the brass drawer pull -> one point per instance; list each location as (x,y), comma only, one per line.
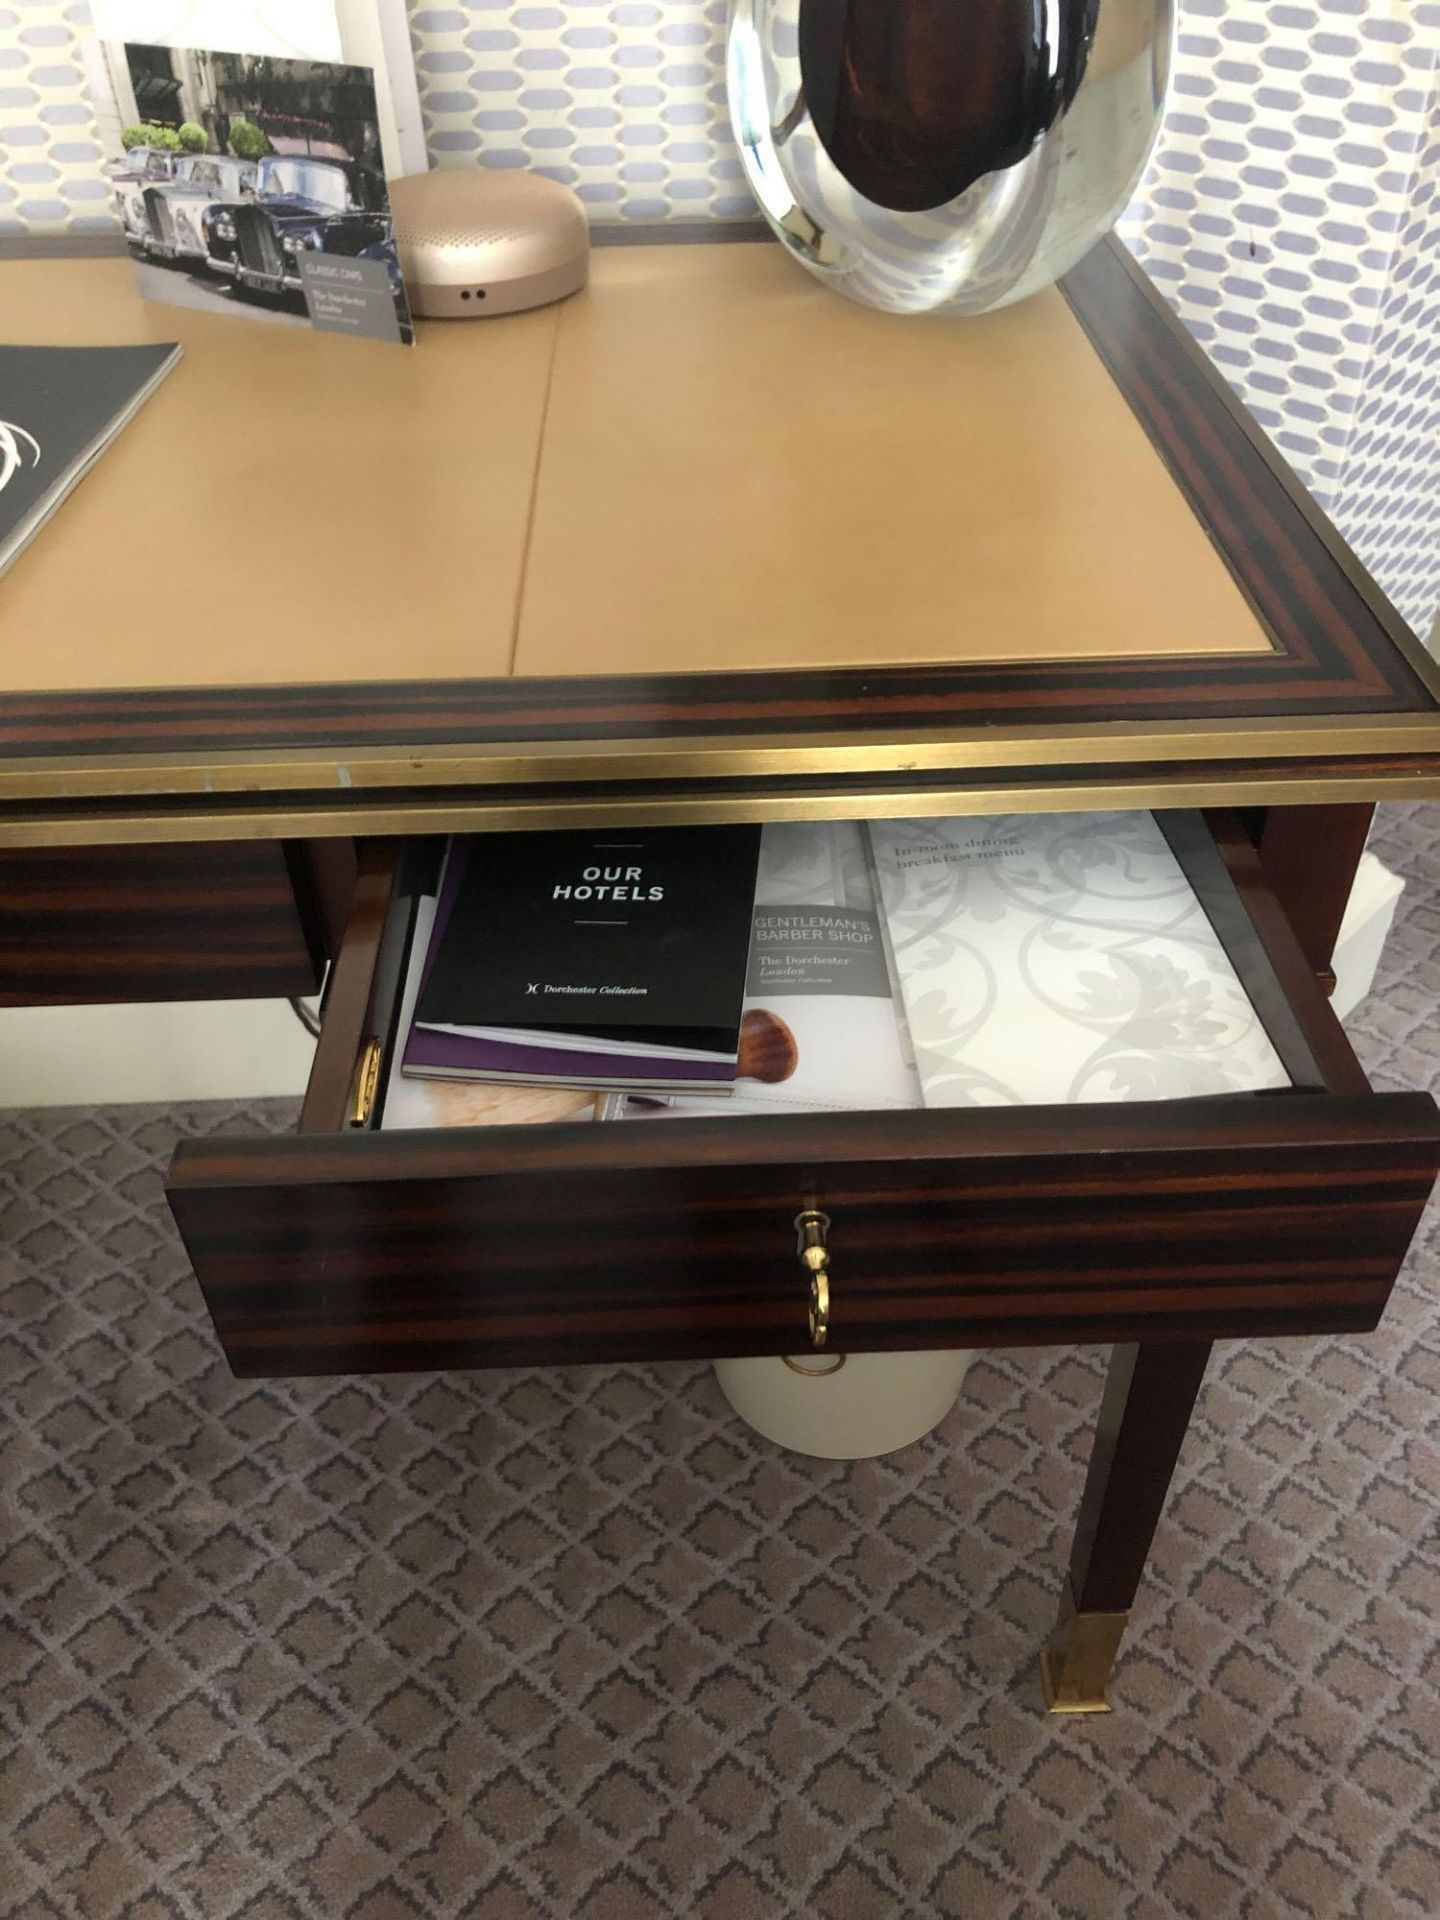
(365,1085)
(815,1369)
(811,1228)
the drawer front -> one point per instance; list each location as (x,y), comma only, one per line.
(670,1239)
(161,923)
(346,1250)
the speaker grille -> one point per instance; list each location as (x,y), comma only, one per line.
(461,211)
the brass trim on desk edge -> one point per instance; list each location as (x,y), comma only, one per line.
(716,756)
(675,808)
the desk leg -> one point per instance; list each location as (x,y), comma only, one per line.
(1149,1394)
(1310,856)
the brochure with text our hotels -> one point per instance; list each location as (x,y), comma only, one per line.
(413,1101)
(1047,959)
(605,959)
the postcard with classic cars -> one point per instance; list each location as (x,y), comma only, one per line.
(254,185)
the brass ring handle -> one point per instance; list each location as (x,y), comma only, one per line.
(819,1309)
(819,1369)
(811,1228)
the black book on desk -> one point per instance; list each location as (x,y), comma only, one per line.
(612,958)
(60,407)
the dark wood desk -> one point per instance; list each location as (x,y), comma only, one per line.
(702,545)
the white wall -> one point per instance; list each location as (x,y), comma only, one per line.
(96,1056)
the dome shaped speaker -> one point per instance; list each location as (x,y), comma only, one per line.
(479,241)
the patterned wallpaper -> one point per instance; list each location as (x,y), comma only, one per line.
(1387,497)
(1292,213)
(50,152)
(624,102)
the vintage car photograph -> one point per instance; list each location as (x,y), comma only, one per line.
(143,168)
(175,210)
(230,168)
(142,163)
(297,204)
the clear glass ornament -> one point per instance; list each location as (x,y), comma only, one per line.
(945,155)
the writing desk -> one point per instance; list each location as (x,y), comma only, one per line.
(707,544)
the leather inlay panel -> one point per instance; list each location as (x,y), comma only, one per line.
(742,470)
(288,507)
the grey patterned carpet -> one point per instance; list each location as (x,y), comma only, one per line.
(524,1645)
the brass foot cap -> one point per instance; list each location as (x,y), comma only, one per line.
(1070,1701)
(1076,1661)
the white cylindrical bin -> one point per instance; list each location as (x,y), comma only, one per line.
(866,1405)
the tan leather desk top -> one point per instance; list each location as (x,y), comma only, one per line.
(704,462)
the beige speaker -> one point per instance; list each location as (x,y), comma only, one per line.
(475,241)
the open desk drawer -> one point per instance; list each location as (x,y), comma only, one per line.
(346,1250)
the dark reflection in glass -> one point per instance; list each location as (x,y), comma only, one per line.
(916,100)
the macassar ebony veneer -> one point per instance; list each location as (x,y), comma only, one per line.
(344,1248)
(243,920)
